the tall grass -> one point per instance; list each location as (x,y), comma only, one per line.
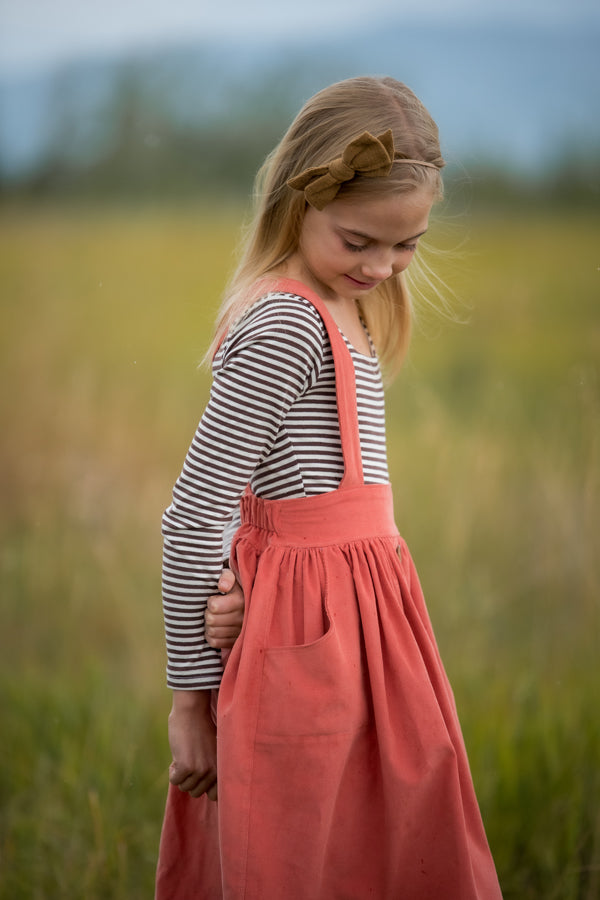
(493,442)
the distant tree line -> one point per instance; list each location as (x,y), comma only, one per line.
(139,138)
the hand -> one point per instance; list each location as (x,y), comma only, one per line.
(224,614)
(193,742)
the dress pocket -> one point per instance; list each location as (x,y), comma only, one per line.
(317,688)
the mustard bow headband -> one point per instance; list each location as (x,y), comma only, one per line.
(366,155)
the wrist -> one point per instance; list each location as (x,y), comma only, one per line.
(193,701)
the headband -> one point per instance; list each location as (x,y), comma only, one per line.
(366,155)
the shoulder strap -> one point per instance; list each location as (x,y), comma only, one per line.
(345,381)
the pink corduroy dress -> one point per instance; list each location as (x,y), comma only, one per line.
(342,769)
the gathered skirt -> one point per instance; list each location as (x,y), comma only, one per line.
(342,772)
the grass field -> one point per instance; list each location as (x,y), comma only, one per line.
(494,431)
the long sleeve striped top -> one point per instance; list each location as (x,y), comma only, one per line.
(271,422)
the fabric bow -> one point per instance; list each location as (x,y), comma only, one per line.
(366,155)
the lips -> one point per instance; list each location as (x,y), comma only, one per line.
(362,285)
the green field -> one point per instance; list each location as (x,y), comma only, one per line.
(494,430)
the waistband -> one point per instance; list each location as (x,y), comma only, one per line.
(335,517)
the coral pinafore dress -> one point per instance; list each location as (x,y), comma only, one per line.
(342,770)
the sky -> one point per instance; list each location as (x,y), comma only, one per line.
(37,33)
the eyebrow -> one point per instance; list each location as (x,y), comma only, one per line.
(368,237)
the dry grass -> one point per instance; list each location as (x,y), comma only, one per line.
(493,437)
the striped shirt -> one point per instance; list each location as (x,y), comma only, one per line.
(271,422)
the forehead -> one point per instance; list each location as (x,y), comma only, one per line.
(392,217)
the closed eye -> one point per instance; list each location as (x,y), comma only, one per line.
(354,248)
(357,248)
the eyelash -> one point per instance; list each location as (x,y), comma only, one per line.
(356,248)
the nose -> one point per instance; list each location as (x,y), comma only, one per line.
(380,265)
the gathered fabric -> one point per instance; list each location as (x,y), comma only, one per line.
(342,772)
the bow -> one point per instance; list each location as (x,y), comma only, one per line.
(366,155)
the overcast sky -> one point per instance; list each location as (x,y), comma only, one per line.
(34,33)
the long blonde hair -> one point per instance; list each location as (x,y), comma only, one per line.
(319,134)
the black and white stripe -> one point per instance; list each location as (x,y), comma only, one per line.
(271,421)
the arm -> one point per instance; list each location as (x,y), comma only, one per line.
(192,732)
(268,363)
(252,392)
(193,742)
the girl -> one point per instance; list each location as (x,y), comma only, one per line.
(333,744)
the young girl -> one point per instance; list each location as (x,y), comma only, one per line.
(333,743)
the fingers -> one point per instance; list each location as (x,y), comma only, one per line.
(222,621)
(226,609)
(194,783)
(193,743)
(224,614)
(226,581)
(221,637)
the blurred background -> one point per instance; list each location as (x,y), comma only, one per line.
(130,133)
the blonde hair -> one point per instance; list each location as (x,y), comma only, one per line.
(319,134)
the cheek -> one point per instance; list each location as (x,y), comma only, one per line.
(329,252)
(403,262)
